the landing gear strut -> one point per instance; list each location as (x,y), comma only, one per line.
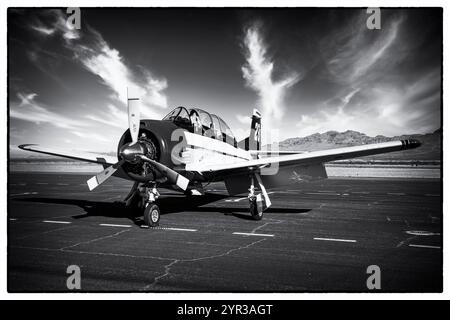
(151,211)
(258,202)
(142,197)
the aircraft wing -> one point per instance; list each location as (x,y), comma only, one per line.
(75,155)
(271,153)
(305,158)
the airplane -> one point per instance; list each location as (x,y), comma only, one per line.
(189,148)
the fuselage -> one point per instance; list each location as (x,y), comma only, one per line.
(167,141)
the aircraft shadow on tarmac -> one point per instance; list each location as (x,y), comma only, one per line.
(168,205)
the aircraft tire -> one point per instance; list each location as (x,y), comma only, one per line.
(152,215)
(254,211)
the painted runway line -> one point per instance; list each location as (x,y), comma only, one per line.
(115,225)
(254,234)
(424,246)
(235,200)
(22,194)
(55,221)
(334,239)
(181,229)
(323,193)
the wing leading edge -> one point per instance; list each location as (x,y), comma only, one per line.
(69,154)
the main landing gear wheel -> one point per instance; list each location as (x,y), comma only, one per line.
(152,215)
(257,213)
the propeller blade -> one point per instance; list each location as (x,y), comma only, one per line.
(133,114)
(172,176)
(101,177)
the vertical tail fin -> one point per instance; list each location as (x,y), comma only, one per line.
(253,142)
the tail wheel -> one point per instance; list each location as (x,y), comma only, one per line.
(256,214)
(152,215)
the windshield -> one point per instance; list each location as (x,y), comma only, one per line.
(205,119)
(225,128)
(172,114)
(216,127)
(179,114)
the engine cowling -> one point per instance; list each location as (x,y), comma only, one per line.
(134,166)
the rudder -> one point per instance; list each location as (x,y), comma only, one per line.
(253,141)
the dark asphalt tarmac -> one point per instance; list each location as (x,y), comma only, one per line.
(320,236)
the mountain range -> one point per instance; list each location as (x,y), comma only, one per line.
(430,149)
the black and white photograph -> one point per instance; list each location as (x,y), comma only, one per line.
(224,150)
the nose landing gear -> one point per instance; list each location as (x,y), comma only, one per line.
(142,198)
(151,211)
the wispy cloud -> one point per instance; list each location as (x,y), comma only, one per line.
(52,22)
(94,54)
(111,117)
(98,127)
(90,135)
(352,51)
(393,110)
(26,99)
(28,109)
(374,97)
(43,30)
(243,119)
(258,74)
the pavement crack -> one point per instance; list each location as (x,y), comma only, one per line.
(93,240)
(226,253)
(168,267)
(45,232)
(122,255)
(273,221)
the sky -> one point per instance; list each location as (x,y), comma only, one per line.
(306,70)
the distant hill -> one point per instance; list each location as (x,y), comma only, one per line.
(430,149)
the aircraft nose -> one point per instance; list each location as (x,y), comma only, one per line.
(130,152)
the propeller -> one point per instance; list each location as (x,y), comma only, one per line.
(101,177)
(133,115)
(133,152)
(172,176)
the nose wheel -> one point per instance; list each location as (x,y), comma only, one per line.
(142,199)
(151,215)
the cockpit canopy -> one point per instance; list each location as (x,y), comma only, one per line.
(201,122)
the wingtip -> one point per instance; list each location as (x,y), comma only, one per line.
(24,146)
(411,143)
